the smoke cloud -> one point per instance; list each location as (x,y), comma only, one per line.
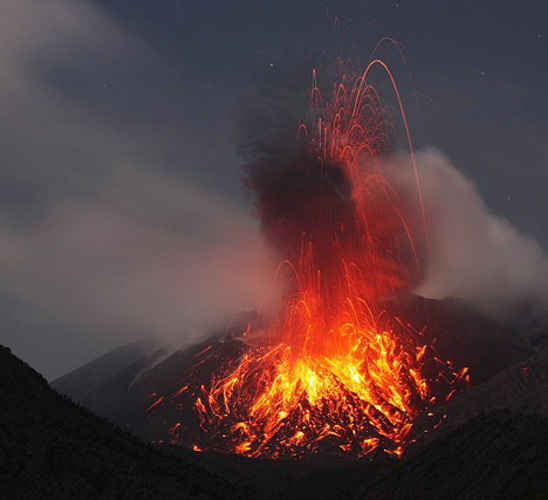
(106,234)
(474,254)
(106,271)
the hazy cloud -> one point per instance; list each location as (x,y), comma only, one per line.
(97,233)
(474,254)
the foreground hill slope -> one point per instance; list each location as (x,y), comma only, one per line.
(50,448)
(499,455)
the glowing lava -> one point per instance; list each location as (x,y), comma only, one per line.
(335,372)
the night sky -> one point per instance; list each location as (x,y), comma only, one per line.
(119,141)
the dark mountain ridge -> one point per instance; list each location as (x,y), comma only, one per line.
(52,448)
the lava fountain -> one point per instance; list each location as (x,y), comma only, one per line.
(335,371)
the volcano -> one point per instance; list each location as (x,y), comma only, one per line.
(142,389)
(64,451)
(340,368)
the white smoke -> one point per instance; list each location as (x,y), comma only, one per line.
(474,254)
(108,270)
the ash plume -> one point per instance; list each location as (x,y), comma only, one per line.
(474,254)
(298,194)
(305,197)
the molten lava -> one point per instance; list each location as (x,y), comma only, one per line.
(335,371)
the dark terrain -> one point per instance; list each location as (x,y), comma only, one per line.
(498,455)
(493,444)
(51,448)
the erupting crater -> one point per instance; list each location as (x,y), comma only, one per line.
(334,371)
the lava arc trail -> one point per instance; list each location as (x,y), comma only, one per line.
(335,371)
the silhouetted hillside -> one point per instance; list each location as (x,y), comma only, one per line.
(50,448)
(500,455)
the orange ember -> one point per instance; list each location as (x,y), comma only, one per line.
(335,372)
